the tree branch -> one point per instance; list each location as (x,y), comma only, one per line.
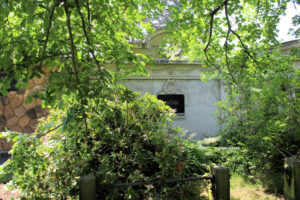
(45,133)
(87,36)
(212,15)
(74,64)
(58,2)
(226,57)
(233,32)
(89,14)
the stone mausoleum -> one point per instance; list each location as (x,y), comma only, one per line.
(179,84)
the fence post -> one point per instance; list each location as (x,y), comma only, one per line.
(87,187)
(292,179)
(220,182)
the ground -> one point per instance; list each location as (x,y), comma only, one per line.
(5,195)
(240,190)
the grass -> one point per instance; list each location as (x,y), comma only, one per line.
(244,190)
(240,189)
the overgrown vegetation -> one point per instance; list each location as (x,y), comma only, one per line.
(96,126)
(129,140)
(260,115)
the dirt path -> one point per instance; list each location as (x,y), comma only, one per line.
(7,195)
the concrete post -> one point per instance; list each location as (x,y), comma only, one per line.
(87,187)
(292,179)
(220,182)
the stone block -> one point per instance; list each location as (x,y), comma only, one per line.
(8,112)
(4,100)
(12,122)
(11,94)
(24,121)
(17,101)
(20,111)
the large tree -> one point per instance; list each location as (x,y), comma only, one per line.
(78,39)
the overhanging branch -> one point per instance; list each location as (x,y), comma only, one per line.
(58,2)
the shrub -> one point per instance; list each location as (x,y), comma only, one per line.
(125,139)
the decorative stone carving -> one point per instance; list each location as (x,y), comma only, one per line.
(170,87)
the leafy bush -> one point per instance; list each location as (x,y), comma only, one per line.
(262,120)
(125,139)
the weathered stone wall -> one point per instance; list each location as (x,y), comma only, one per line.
(16,115)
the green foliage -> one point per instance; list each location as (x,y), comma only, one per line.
(95,126)
(73,40)
(263,121)
(237,41)
(129,140)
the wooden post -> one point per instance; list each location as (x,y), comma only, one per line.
(292,179)
(87,187)
(220,182)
